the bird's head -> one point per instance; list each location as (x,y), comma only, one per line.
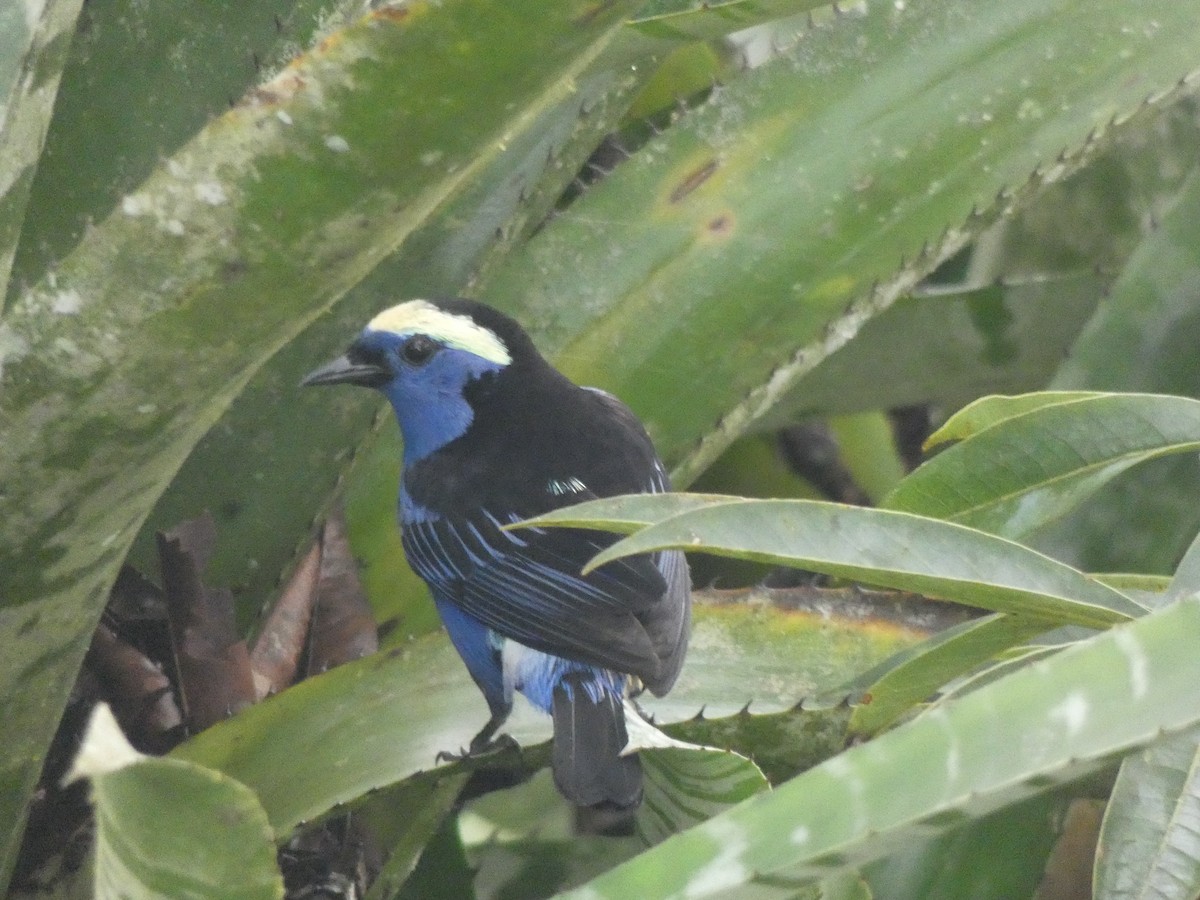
(423,355)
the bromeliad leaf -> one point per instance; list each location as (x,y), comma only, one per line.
(222,847)
(1067,717)
(913,674)
(1146,851)
(879,547)
(988,411)
(626,514)
(1034,466)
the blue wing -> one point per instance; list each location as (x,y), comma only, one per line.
(629,615)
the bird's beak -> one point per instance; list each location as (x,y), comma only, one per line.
(344,370)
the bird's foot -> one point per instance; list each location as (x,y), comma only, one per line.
(485,747)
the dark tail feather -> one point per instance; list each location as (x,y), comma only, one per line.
(588,767)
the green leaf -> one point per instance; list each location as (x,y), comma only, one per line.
(881,547)
(140,80)
(625,515)
(293,751)
(685,787)
(986,412)
(404,820)
(218,846)
(1149,842)
(33,50)
(999,856)
(1032,467)
(914,674)
(823,185)
(1069,716)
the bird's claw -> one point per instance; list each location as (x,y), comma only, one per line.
(478,748)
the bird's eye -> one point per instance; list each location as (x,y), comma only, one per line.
(418,349)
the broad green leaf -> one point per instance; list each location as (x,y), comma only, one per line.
(118,362)
(218,845)
(880,547)
(1065,718)
(1033,467)
(1150,842)
(783,743)
(34,38)
(986,412)
(1138,338)
(140,80)
(293,749)
(914,674)
(823,185)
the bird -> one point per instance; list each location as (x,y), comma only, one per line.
(493,434)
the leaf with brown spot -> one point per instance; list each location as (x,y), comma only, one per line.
(694,180)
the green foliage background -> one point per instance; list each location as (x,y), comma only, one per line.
(849,210)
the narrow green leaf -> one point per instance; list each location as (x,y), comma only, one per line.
(219,845)
(1032,467)
(1150,839)
(898,684)
(985,412)
(627,514)
(886,548)
(1065,718)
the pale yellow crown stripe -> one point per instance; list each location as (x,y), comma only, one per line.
(460,332)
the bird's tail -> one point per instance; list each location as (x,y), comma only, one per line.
(589,734)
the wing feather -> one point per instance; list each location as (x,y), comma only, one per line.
(527,587)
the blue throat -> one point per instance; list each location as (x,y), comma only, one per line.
(429,402)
